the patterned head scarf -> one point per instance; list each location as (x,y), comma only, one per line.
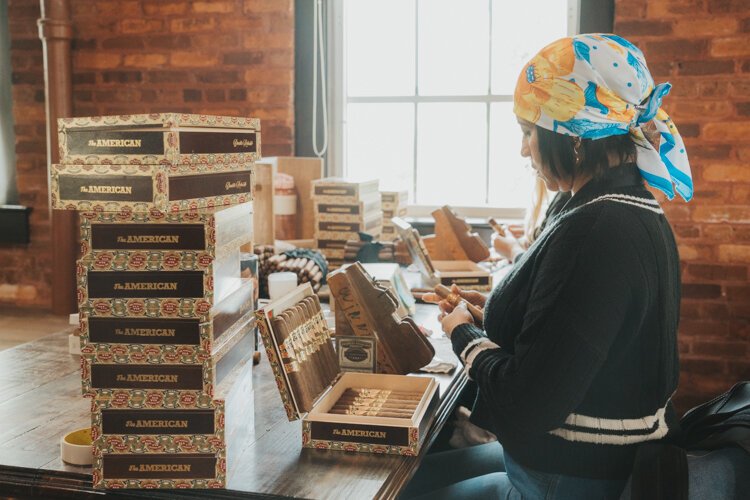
(597,85)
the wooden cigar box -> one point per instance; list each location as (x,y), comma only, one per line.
(192,232)
(203,435)
(141,188)
(347,235)
(120,373)
(173,138)
(336,190)
(172,338)
(464,273)
(311,392)
(391,213)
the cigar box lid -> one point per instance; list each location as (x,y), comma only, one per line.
(415,246)
(158,120)
(294,408)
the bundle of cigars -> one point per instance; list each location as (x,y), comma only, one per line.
(166,319)
(309,266)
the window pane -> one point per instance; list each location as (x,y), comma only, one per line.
(453,47)
(520,30)
(510,183)
(451,154)
(380,144)
(380,47)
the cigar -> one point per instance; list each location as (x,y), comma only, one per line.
(454,299)
(496,226)
(294,369)
(369,413)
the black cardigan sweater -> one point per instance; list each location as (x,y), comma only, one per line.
(579,359)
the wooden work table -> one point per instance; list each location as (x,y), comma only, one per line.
(40,400)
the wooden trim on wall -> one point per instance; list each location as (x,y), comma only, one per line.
(56,32)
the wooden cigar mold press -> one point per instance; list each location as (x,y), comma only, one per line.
(453,239)
(366,309)
(464,273)
(166,440)
(340,411)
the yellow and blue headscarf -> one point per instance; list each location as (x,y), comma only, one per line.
(598,85)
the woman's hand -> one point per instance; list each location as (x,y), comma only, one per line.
(471,297)
(458,316)
(506,244)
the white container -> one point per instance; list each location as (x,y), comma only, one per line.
(279,284)
(76,447)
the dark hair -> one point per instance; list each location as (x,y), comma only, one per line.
(557,152)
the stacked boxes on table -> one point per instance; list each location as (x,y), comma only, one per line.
(166,319)
(393,205)
(343,209)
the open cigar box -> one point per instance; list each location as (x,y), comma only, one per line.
(464,273)
(162,138)
(174,442)
(364,412)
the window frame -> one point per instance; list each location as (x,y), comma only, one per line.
(338,100)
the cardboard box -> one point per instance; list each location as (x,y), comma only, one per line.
(336,190)
(464,273)
(141,188)
(324,430)
(371,224)
(172,138)
(394,198)
(185,233)
(202,437)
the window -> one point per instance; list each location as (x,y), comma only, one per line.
(8,192)
(423,93)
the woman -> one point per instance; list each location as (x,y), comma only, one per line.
(578,359)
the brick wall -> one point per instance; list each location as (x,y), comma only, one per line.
(703,48)
(225,57)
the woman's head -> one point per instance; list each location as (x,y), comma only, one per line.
(586,103)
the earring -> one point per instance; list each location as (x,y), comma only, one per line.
(577,151)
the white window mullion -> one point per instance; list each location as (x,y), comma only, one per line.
(416,96)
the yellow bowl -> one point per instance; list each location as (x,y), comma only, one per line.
(76,447)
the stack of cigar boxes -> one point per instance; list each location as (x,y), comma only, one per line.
(167,320)
(393,204)
(343,209)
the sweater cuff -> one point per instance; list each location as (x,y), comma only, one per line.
(463,334)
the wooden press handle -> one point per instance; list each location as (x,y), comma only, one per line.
(454,299)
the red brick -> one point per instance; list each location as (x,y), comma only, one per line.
(689,130)
(702,366)
(123,42)
(712,67)
(720,348)
(244,58)
(739,370)
(713,25)
(746,67)
(214,6)
(645,28)
(119,8)
(145,60)
(724,6)
(726,171)
(256,6)
(731,46)
(726,131)
(717,152)
(695,252)
(686,230)
(192,24)
(727,213)
(698,109)
(740,88)
(715,272)
(734,253)
(626,9)
(699,291)
(666,8)
(671,49)
(168,77)
(217,76)
(169,41)
(163,8)
(141,25)
(193,59)
(743,108)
